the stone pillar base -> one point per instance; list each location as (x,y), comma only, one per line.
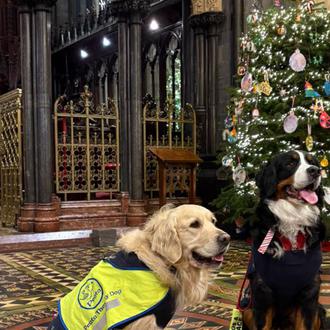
(47,217)
(136,215)
(25,221)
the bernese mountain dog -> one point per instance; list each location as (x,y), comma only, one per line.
(284,272)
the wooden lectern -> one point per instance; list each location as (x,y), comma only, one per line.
(178,157)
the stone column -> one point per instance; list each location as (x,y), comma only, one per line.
(205,20)
(46,219)
(206,33)
(123,75)
(212,22)
(200,79)
(39,212)
(130,100)
(136,106)
(29,197)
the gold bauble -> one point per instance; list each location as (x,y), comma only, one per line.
(324,162)
(281,30)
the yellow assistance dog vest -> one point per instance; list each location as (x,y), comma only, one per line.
(112,295)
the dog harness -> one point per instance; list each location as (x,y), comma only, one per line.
(116,292)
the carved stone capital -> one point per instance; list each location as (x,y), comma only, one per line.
(206,6)
(120,7)
(207,19)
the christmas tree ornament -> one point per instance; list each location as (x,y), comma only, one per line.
(265,87)
(324,120)
(227,161)
(225,133)
(252,18)
(250,47)
(232,136)
(243,44)
(281,29)
(324,162)
(298,18)
(241,70)
(326,85)
(277,3)
(309,91)
(255,113)
(290,123)
(230,133)
(246,82)
(317,60)
(256,89)
(239,175)
(324,174)
(308,5)
(309,140)
(317,106)
(239,107)
(283,92)
(297,61)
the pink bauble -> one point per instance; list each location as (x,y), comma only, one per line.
(297,61)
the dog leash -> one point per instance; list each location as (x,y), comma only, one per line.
(236,322)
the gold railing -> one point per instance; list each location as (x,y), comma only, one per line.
(167,128)
(11,156)
(87,148)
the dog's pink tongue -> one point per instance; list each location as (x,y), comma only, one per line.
(218,258)
(309,196)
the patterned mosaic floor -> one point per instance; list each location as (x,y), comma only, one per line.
(32,282)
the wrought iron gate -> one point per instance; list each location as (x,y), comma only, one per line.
(11,156)
(87,147)
(167,128)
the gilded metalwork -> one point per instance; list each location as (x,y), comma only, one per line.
(167,128)
(206,6)
(87,147)
(11,156)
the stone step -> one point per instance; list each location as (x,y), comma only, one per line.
(62,239)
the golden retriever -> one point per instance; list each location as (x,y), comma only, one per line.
(180,245)
(185,238)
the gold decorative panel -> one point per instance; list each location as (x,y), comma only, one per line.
(167,128)
(87,147)
(205,6)
(11,156)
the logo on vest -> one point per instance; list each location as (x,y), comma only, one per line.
(90,294)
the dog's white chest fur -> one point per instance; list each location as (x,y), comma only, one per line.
(293,217)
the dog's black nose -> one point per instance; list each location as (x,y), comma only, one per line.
(223,238)
(314,172)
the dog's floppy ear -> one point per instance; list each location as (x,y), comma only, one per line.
(266,181)
(165,240)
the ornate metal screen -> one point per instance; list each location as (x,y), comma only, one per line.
(167,128)
(11,156)
(87,147)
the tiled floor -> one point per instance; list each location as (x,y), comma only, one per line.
(32,282)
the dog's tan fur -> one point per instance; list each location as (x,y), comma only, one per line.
(166,241)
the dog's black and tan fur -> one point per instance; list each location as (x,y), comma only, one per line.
(285,283)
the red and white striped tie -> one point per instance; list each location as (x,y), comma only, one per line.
(265,243)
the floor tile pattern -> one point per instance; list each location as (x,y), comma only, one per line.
(31,283)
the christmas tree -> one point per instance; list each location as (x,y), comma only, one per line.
(281,100)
